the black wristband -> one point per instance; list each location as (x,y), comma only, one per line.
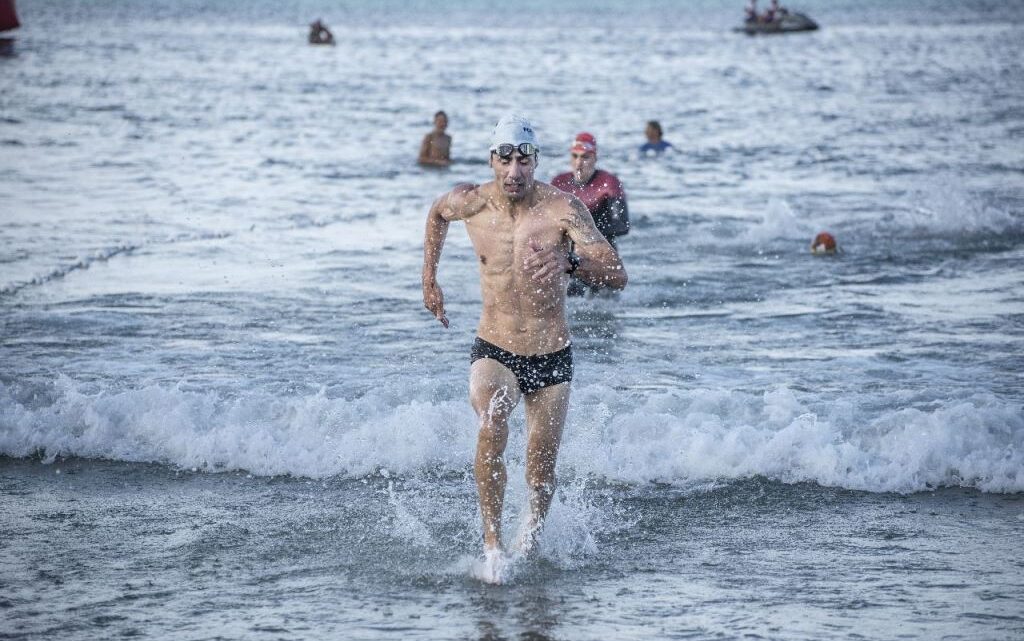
(574,263)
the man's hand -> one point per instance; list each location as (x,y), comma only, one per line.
(546,263)
(433,300)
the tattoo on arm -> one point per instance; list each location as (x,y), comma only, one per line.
(580,224)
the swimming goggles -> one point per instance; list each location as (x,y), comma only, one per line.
(505,150)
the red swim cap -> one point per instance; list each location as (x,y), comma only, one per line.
(584,143)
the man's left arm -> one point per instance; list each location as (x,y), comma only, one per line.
(598,264)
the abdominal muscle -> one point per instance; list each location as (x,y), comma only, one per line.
(519,314)
(522,316)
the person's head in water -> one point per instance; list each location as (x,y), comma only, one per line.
(514,156)
(583,157)
(440,121)
(653,132)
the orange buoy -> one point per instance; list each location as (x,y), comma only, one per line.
(824,243)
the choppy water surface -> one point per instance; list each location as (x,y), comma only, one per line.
(209,280)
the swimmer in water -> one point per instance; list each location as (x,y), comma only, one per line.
(436,148)
(600,191)
(521,230)
(319,34)
(655,144)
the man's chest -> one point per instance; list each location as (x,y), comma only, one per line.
(441,143)
(503,242)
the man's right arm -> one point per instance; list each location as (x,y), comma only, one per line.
(458,204)
(433,243)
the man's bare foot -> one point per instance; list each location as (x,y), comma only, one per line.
(493,567)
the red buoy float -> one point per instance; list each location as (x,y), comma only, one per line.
(824,243)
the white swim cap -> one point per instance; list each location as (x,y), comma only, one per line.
(515,130)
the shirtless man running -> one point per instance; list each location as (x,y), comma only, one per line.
(520,229)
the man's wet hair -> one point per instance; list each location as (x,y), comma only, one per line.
(441,113)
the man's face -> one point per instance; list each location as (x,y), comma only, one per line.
(440,122)
(651,133)
(514,174)
(583,165)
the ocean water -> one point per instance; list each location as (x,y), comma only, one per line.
(224,412)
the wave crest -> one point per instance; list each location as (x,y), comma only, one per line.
(673,436)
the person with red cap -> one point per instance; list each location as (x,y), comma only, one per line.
(599,190)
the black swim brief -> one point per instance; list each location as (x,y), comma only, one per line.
(531,372)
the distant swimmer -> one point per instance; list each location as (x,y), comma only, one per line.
(436,148)
(655,144)
(319,34)
(521,230)
(824,243)
(751,11)
(600,191)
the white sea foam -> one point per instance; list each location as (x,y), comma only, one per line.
(684,436)
(306,436)
(572,523)
(778,221)
(944,208)
(406,524)
(495,567)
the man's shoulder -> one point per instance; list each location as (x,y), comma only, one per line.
(465,200)
(485,190)
(553,197)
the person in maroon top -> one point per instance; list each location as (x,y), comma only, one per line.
(599,190)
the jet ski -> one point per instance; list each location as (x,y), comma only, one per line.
(788,22)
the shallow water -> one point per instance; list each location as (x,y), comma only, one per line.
(210,313)
(141,550)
